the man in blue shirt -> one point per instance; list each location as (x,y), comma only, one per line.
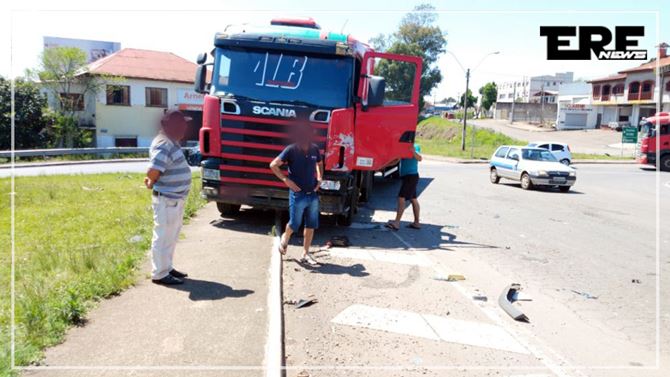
(305,170)
(409,174)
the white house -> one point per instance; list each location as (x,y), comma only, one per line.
(531,89)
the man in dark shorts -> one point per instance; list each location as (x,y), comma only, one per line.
(409,174)
(305,170)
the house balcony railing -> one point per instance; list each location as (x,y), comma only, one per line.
(646,95)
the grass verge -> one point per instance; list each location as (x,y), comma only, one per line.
(79,238)
(442,137)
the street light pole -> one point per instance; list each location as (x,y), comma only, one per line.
(465,108)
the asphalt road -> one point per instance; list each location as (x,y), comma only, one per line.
(579,256)
(73,168)
(598,141)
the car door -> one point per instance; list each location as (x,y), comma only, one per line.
(558,151)
(498,160)
(512,161)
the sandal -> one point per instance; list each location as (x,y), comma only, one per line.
(309,260)
(414,226)
(391,226)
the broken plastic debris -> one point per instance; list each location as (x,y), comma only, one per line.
(480,297)
(584,294)
(636,281)
(505,302)
(455,277)
(135,239)
(521,296)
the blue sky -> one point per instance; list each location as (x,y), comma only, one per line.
(473,29)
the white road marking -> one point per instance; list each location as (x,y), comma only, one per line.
(396,257)
(552,365)
(430,327)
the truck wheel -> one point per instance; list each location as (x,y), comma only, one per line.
(665,163)
(526,183)
(347,218)
(227,209)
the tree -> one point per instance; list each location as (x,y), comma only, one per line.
(417,35)
(472,100)
(489,94)
(30,121)
(63,72)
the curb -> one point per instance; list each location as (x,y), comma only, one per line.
(274,346)
(62,163)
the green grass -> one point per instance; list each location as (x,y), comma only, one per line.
(74,157)
(442,137)
(78,239)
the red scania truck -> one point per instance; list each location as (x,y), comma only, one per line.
(655,134)
(266,79)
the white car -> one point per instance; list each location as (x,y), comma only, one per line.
(532,167)
(560,150)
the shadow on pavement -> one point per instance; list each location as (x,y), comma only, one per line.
(247,220)
(327,268)
(385,192)
(552,190)
(201,290)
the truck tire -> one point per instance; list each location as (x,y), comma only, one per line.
(366,186)
(665,162)
(227,209)
(347,218)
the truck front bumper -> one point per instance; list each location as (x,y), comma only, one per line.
(268,198)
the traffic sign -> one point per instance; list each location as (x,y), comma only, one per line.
(629,135)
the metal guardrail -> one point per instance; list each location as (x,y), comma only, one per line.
(71,151)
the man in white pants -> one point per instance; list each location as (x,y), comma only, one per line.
(169,178)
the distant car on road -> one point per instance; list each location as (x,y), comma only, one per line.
(560,150)
(532,167)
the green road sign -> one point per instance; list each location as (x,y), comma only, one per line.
(629,135)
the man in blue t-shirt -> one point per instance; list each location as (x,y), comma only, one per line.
(409,174)
(305,170)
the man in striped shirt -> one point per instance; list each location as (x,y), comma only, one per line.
(169,178)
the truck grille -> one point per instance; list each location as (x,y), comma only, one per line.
(249,144)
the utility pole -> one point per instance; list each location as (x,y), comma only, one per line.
(511,119)
(542,104)
(465,108)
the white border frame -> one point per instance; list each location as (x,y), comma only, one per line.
(13,365)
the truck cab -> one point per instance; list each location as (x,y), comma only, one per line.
(655,141)
(264,80)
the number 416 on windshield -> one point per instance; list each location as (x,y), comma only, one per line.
(285,73)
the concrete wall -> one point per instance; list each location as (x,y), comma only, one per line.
(526,112)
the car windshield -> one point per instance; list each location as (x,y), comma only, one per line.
(537,155)
(319,80)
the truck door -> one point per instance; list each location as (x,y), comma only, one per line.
(385,128)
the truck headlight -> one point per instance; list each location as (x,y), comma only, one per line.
(330,185)
(211,174)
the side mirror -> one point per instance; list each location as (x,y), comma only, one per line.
(200,85)
(376,88)
(202,58)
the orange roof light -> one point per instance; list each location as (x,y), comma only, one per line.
(307,22)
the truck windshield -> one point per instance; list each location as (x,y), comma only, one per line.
(277,76)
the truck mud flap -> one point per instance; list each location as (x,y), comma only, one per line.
(505,302)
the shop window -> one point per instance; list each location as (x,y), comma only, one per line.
(72,101)
(118,95)
(125,141)
(667,87)
(596,91)
(156,97)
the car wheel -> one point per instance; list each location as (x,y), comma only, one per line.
(565,161)
(227,209)
(564,188)
(495,178)
(665,163)
(526,184)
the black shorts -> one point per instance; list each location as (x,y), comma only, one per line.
(408,187)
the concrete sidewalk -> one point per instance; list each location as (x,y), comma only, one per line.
(217,319)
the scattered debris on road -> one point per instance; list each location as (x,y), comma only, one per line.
(636,281)
(505,302)
(303,302)
(480,297)
(585,295)
(454,277)
(338,241)
(521,296)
